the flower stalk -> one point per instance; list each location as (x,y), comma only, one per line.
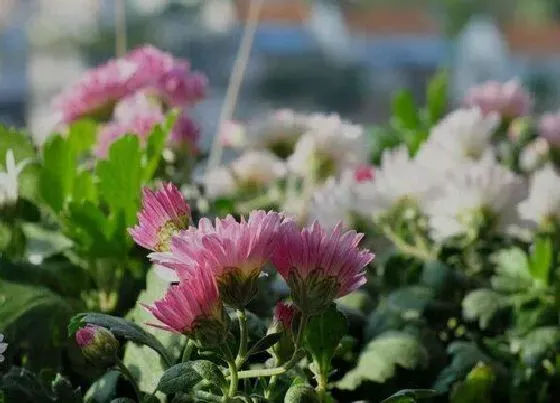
(243,338)
(126,373)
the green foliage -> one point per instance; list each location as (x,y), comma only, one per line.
(184,377)
(301,394)
(482,304)
(21,385)
(380,358)
(410,396)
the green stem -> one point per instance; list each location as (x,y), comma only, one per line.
(126,373)
(405,247)
(270,388)
(261,373)
(243,338)
(322,383)
(234,378)
(187,351)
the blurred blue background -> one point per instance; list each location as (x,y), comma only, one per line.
(326,55)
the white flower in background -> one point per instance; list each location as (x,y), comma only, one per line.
(329,146)
(232,134)
(398,177)
(257,168)
(219,182)
(534,155)
(337,200)
(9,179)
(475,189)
(3,347)
(543,202)
(462,136)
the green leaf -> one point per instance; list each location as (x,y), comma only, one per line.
(541,259)
(477,386)
(438,277)
(322,335)
(301,394)
(405,111)
(380,358)
(104,389)
(512,271)
(64,392)
(84,188)
(123,400)
(120,327)
(358,300)
(145,364)
(155,146)
(20,384)
(58,172)
(120,177)
(265,343)
(43,243)
(185,376)
(82,136)
(538,343)
(482,304)
(436,97)
(410,301)
(410,395)
(88,226)
(465,356)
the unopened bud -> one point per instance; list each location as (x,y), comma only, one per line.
(98,345)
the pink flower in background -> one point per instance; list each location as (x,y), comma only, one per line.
(179,87)
(549,128)
(284,313)
(185,135)
(164,213)
(320,265)
(193,308)
(235,251)
(364,173)
(508,99)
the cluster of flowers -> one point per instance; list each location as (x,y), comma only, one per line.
(132,94)
(285,144)
(220,263)
(458,177)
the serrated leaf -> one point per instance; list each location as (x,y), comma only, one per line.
(185,376)
(145,364)
(120,176)
(301,394)
(512,269)
(322,335)
(380,358)
(82,135)
(538,342)
(410,395)
(465,356)
(265,343)
(482,305)
(541,259)
(120,327)
(104,389)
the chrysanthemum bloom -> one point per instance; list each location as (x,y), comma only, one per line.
(534,155)
(98,345)
(542,207)
(185,135)
(549,129)
(219,182)
(320,266)
(193,308)
(164,213)
(255,169)
(180,87)
(510,100)
(328,147)
(235,251)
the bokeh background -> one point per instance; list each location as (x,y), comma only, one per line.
(320,55)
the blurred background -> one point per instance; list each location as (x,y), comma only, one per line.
(311,55)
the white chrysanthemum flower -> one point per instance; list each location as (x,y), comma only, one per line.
(219,182)
(329,146)
(3,347)
(543,202)
(257,168)
(9,179)
(398,178)
(534,155)
(474,190)
(462,136)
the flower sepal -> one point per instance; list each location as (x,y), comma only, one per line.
(238,288)
(211,332)
(313,294)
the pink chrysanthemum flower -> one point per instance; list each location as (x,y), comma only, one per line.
(509,99)
(549,129)
(179,87)
(235,251)
(164,213)
(194,308)
(185,135)
(320,265)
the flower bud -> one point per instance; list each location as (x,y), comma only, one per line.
(284,314)
(98,345)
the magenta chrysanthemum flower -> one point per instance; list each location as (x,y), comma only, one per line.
(508,99)
(179,87)
(320,265)
(194,308)
(164,213)
(235,251)
(185,135)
